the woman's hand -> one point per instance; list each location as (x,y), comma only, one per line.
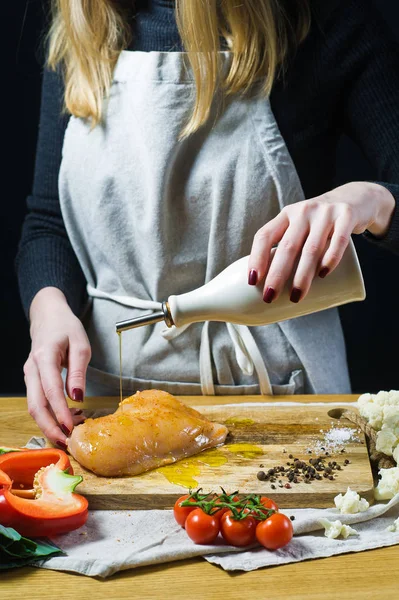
(312,236)
(58,340)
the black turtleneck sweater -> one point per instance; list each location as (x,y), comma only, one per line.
(344,79)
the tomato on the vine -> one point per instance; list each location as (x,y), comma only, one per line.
(275,532)
(202,528)
(219,514)
(238,532)
(268,503)
(181,512)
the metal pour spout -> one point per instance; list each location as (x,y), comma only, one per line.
(149,319)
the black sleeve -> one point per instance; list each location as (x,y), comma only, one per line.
(45,256)
(370,98)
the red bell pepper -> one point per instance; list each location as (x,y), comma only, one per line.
(36,493)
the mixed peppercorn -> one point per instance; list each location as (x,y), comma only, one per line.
(297,471)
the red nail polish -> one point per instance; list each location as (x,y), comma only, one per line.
(77,395)
(253,277)
(61,445)
(324,271)
(269,294)
(295,295)
(78,412)
(65,429)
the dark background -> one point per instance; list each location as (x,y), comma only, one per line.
(371,327)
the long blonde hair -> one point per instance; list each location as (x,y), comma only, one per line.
(87,36)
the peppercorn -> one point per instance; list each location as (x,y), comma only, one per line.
(261,476)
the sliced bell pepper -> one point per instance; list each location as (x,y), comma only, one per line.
(36,493)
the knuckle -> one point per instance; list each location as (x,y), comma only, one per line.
(288,245)
(275,279)
(84,352)
(28,367)
(342,240)
(346,211)
(52,392)
(32,410)
(304,208)
(37,355)
(312,249)
(334,257)
(262,234)
(76,374)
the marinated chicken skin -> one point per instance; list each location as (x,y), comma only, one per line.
(149,429)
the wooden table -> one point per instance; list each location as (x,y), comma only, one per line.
(372,574)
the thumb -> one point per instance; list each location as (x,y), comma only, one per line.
(79,356)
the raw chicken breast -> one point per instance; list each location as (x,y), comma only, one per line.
(148,430)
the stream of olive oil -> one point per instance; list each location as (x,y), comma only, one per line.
(120,367)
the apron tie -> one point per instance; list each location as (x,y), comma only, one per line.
(246,350)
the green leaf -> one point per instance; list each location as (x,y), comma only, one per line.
(14,544)
(16,550)
(45,547)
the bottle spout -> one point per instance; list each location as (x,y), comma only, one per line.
(148,319)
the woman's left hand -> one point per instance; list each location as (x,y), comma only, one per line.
(312,236)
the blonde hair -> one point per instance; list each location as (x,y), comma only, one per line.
(87,36)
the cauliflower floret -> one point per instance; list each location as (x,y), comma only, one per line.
(394,527)
(373,413)
(388,485)
(393,397)
(386,441)
(364,399)
(335,528)
(396,454)
(382,398)
(351,502)
(391,418)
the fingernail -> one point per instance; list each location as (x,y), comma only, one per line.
(77,395)
(78,412)
(253,277)
(65,429)
(269,294)
(324,271)
(295,295)
(61,445)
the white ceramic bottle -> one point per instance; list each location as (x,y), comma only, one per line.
(229,298)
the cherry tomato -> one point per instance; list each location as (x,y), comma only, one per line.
(275,532)
(181,512)
(268,503)
(238,532)
(202,528)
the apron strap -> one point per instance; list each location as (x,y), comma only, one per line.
(253,354)
(124,300)
(207,385)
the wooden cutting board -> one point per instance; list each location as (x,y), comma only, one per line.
(261,437)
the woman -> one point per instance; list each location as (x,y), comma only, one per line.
(174,164)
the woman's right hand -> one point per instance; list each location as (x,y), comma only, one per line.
(58,341)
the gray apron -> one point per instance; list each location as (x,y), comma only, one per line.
(149,216)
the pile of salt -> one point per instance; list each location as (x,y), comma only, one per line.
(335,440)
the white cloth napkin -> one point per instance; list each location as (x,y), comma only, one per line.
(113,541)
